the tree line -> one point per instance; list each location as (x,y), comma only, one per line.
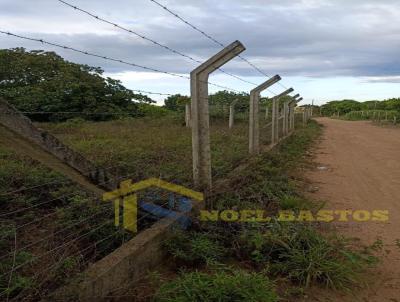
(346,106)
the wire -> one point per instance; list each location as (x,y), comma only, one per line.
(212,39)
(112,59)
(58,247)
(73,240)
(150,92)
(105,206)
(148,39)
(56,182)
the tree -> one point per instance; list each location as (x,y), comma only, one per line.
(176,102)
(225,98)
(341,107)
(40,81)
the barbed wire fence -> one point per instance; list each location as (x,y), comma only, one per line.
(82,240)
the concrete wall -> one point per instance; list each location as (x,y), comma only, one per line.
(128,264)
(20,124)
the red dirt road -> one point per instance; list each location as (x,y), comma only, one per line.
(359,169)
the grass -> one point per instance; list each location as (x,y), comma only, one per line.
(297,252)
(43,210)
(194,248)
(306,256)
(218,287)
(250,254)
(143,148)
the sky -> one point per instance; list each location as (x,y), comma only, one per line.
(324,49)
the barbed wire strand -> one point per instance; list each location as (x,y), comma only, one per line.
(73,240)
(105,206)
(67,226)
(148,39)
(112,59)
(212,39)
(58,181)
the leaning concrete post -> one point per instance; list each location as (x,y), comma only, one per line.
(254,135)
(200,114)
(187,115)
(232,114)
(266,113)
(275,116)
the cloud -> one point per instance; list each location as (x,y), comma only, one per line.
(390,79)
(311,38)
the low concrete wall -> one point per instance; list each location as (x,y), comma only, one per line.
(128,264)
(20,124)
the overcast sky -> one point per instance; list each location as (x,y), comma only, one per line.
(325,49)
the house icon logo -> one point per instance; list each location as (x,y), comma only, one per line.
(126,198)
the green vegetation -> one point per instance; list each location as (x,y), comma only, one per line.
(176,102)
(346,106)
(373,115)
(143,148)
(218,287)
(43,210)
(305,256)
(296,252)
(39,81)
(194,247)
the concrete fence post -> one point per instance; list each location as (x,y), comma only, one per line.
(312,108)
(254,135)
(294,113)
(291,115)
(288,115)
(285,118)
(187,115)
(266,113)
(200,115)
(232,114)
(274,132)
(275,116)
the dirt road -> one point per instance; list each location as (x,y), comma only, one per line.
(359,169)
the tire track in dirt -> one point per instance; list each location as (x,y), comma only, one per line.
(363,173)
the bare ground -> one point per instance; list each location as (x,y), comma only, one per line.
(358,167)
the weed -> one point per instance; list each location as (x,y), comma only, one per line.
(306,256)
(218,287)
(11,286)
(194,247)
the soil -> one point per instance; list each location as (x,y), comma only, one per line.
(358,168)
